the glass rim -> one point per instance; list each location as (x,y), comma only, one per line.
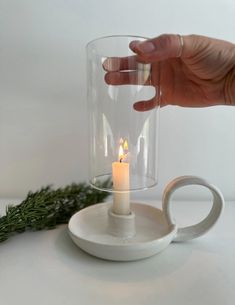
(114,36)
(130,190)
(111,191)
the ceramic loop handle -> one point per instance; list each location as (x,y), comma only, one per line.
(202,227)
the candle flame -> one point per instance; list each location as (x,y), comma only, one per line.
(123,147)
(121,153)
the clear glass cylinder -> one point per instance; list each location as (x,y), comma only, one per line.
(123,141)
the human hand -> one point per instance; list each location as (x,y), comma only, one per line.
(195,71)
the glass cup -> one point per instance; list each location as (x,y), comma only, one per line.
(123,137)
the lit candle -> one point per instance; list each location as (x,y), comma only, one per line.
(120,173)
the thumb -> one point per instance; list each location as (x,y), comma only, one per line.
(160,48)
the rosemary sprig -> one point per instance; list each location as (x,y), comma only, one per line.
(46,208)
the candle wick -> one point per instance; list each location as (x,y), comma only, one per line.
(121,160)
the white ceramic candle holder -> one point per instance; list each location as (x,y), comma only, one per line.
(143,233)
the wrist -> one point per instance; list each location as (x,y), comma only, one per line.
(229,88)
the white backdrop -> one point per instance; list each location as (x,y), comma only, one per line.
(43,128)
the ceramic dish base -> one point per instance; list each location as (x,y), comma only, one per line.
(89,229)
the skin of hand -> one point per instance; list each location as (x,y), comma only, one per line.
(198,73)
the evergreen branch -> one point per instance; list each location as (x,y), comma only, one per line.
(47,208)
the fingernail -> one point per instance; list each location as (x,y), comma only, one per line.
(146,47)
(111,64)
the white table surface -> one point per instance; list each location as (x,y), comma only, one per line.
(47,268)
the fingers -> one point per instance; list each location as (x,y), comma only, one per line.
(127,78)
(132,78)
(145,105)
(126,71)
(157,49)
(112,64)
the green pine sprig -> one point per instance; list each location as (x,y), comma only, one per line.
(47,208)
